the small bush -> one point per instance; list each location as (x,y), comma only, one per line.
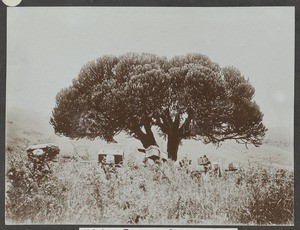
(271,194)
(31,195)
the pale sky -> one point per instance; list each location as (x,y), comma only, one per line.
(46,47)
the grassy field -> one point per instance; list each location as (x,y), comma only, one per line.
(262,192)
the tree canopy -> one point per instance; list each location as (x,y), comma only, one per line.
(183,97)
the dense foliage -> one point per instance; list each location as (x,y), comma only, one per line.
(184,97)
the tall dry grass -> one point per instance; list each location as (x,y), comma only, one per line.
(81,193)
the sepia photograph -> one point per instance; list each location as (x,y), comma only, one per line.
(150,116)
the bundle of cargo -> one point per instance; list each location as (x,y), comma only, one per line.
(46,152)
(110,159)
(231,167)
(111,155)
(156,154)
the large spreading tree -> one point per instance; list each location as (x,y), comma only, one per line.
(184,97)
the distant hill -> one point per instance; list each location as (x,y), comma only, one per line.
(26,127)
(283,137)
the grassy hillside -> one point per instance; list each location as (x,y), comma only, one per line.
(25,127)
(84,193)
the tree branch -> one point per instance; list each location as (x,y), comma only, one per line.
(161,125)
(184,130)
(165,116)
(137,132)
(176,122)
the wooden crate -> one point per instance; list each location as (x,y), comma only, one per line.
(110,158)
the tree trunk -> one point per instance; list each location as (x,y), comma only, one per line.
(147,139)
(172,147)
(173,138)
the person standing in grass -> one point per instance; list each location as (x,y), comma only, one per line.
(206,163)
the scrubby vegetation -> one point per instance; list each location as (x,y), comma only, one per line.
(81,193)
